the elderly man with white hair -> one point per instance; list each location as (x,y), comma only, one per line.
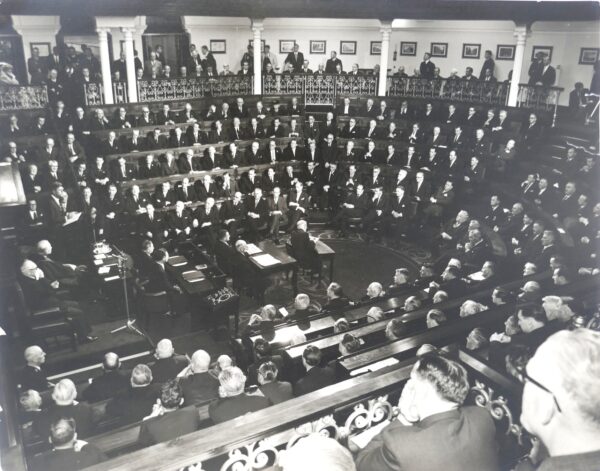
(304,249)
(67,274)
(167,365)
(137,401)
(41,293)
(33,375)
(301,309)
(374,290)
(65,405)
(234,401)
(111,382)
(198,385)
(561,402)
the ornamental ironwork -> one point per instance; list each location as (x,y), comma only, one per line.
(16,97)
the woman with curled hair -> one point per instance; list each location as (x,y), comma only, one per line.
(470,308)
(274,390)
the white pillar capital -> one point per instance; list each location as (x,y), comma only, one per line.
(521,33)
(128,32)
(257,24)
(102,33)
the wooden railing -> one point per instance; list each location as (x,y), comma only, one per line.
(459,90)
(539,97)
(16,97)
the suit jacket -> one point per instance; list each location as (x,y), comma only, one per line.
(329,153)
(316,378)
(296,61)
(229,408)
(185,167)
(548,77)
(277,391)
(33,378)
(246,185)
(169,426)
(165,369)
(61,460)
(145,225)
(456,440)
(81,412)
(105,386)
(134,404)
(152,171)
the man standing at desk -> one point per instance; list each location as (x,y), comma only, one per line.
(303,248)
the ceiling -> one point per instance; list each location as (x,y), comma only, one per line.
(520,11)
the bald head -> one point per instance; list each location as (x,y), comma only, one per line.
(200,361)
(164,349)
(34,356)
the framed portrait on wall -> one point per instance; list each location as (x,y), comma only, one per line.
(408,48)
(318,47)
(505,52)
(439,50)
(589,55)
(44,48)
(218,46)
(546,50)
(471,51)
(375,48)
(262,44)
(286,46)
(348,47)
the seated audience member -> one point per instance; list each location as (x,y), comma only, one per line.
(197,385)
(469,308)
(396,329)
(435,317)
(336,299)
(68,453)
(412,303)
(439,297)
(137,400)
(318,453)
(476,339)
(556,309)
(341,325)
(301,309)
(34,374)
(65,406)
(561,402)
(401,280)
(111,382)
(317,376)
(349,344)
(433,418)
(274,390)
(234,402)
(375,314)
(374,290)
(168,419)
(30,410)
(167,365)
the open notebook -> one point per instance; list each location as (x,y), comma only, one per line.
(265,260)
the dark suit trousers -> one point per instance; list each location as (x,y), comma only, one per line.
(276,221)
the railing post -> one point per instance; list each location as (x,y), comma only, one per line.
(257,27)
(520,34)
(386,30)
(105,65)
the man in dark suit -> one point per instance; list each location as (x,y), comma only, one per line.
(455,437)
(34,375)
(167,365)
(137,401)
(272,153)
(298,202)
(303,247)
(234,401)
(195,136)
(198,386)
(188,162)
(168,419)
(233,213)
(427,67)
(154,140)
(256,213)
(111,382)
(66,452)
(296,59)
(317,376)
(278,210)
(331,64)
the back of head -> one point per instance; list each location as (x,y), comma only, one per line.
(298,337)
(341,325)
(351,343)
(396,329)
(375,314)
(62,432)
(267,371)
(302,301)
(262,348)
(448,378)
(64,392)
(111,361)
(141,375)
(164,349)
(200,361)
(317,453)
(268,312)
(232,381)
(30,400)
(312,355)
(171,395)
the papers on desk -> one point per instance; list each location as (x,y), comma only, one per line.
(193,276)
(103,270)
(177,261)
(252,249)
(71,218)
(265,260)
(111,278)
(284,312)
(375,366)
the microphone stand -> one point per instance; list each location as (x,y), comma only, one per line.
(588,118)
(130,323)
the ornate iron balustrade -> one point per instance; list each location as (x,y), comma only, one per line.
(195,87)
(94,93)
(493,93)
(16,97)
(538,97)
(320,89)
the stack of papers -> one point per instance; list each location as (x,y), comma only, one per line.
(177,261)
(265,260)
(252,249)
(193,276)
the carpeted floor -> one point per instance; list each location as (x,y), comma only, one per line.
(356,265)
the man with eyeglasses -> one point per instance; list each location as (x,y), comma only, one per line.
(561,402)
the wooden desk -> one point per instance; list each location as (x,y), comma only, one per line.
(327,254)
(179,266)
(285,265)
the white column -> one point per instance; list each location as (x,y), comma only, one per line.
(257,27)
(386,30)
(130,64)
(521,36)
(105,65)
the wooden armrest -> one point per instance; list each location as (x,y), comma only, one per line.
(44,312)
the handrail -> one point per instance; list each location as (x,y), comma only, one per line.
(539,97)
